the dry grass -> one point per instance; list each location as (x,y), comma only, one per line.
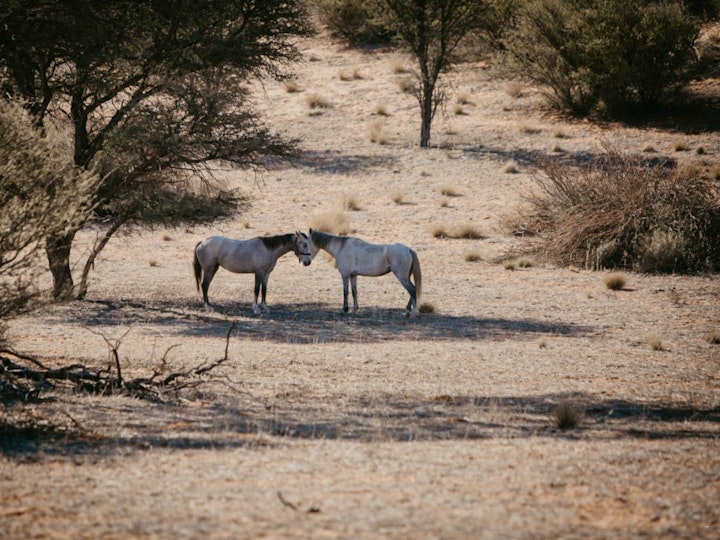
(515,89)
(510,167)
(333,221)
(292,87)
(350,74)
(449,190)
(458,109)
(350,202)
(471,256)
(377,133)
(397,195)
(567,415)
(542,343)
(681,145)
(529,129)
(522,261)
(153,263)
(381,109)
(713,338)
(398,65)
(615,281)
(166,237)
(406,85)
(464,231)
(317,101)
(655,343)
(463,98)
(426,307)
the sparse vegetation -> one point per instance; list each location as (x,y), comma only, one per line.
(615,281)
(426,307)
(510,167)
(566,47)
(621,211)
(567,415)
(381,109)
(291,87)
(377,132)
(316,101)
(397,195)
(333,221)
(713,338)
(656,343)
(522,261)
(465,231)
(448,190)
(471,256)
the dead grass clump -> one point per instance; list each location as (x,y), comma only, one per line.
(715,171)
(514,89)
(471,256)
(399,66)
(529,129)
(448,190)
(463,98)
(713,338)
(381,109)
(510,167)
(377,132)
(333,221)
(567,415)
(615,281)
(166,237)
(406,85)
(291,87)
(350,202)
(350,75)
(681,145)
(465,231)
(458,110)
(397,196)
(622,211)
(316,101)
(655,343)
(523,261)
(426,307)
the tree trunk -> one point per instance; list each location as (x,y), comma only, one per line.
(99,245)
(427,111)
(58,254)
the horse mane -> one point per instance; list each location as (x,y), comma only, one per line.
(280,240)
(322,239)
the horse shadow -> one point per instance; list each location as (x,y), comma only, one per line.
(317,323)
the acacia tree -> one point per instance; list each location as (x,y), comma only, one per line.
(432,30)
(42,193)
(155,92)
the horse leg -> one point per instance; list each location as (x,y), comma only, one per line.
(263,305)
(208,276)
(345,293)
(353,285)
(258,283)
(410,288)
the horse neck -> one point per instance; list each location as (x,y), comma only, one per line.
(327,241)
(281,245)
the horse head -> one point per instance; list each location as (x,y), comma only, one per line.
(302,247)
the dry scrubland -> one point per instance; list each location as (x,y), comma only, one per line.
(323,425)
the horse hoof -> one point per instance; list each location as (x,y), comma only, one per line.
(209,308)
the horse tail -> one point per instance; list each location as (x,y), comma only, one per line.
(197,266)
(417,275)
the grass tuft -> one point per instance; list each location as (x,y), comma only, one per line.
(471,256)
(426,307)
(567,415)
(377,133)
(615,281)
(713,338)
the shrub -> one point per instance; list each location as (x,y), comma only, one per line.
(566,415)
(615,281)
(620,211)
(355,21)
(605,55)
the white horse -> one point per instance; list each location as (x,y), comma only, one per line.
(355,257)
(256,255)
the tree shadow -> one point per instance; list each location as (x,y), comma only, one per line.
(378,418)
(335,162)
(314,322)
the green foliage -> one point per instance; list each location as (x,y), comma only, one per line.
(625,212)
(42,192)
(154,92)
(611,56)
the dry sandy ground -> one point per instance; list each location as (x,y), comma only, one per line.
(328,426)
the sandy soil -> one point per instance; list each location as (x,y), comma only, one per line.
(323,425)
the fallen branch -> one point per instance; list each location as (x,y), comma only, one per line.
(23,378)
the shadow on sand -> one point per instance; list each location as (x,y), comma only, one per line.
(313,323)
(387,418)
